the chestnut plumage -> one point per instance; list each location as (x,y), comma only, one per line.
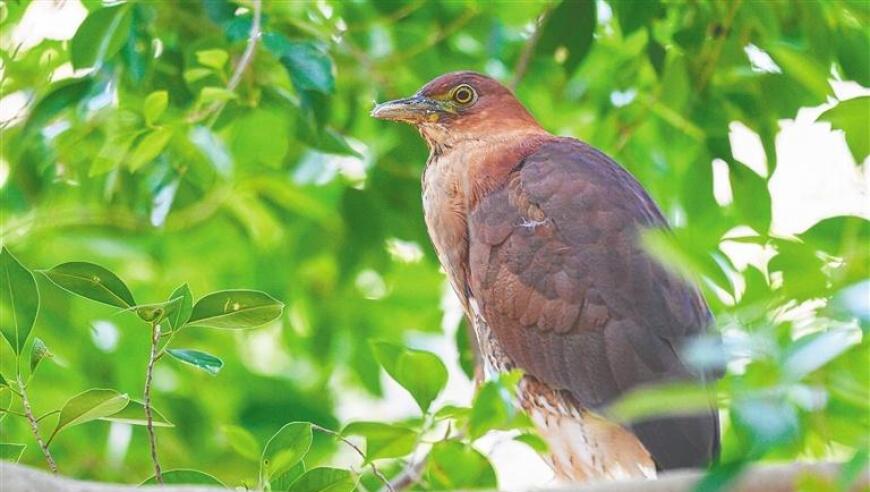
(540,238)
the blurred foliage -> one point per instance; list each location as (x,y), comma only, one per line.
(151,144)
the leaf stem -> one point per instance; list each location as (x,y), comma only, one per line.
(34,427)
(359,451)
(149,417)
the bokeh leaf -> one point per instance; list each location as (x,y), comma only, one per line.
(853,117)
(92,282)
(569,27)
(101,35)
(310,68)
(242,441)
(19,300)
(10,451)
(383,440)
(235,309)
(154,106)
(196,358)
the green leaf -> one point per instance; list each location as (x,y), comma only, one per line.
(156,313)
(179,313)
(38,352)
(112,153)
(212,58)
(466,351)
(421,373)
(810,352)
(3,381)
(10,451)
(661,400)
(63,95)
(185,477)
(324,480)
(195,74)
(633,15)
(100,36)
(134,414)
(309,66)
(92,282)
(202,360)
(534,441)
(455,466)
(765,422)
(383,440)
(852,54)
(569,28)
(19,301)
(151,145)
(803,69)
(852,116)
(751,197)
(286,479)
(154,106)
(235,309)
(216,94)
(838,235)
(285,449)
(242,441)
(89,405)
(493,409)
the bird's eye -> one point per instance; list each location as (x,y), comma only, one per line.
(463,94)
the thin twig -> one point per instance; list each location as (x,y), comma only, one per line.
(244,62)
(409,476)
(34,427)
(149,418)
(710,67)
(529,50)
(359,451)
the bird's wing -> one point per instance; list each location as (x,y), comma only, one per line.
(566,288)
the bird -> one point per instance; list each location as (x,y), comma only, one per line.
(540,238)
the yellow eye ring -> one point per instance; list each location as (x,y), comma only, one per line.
(464,94)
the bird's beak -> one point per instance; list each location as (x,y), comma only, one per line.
(414,109)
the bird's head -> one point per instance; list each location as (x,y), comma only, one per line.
(460,106)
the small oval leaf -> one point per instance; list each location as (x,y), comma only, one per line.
(134,414)
(383,440)
(11,451)
(202,360)
(235,309)
(154,106)
(19,300)
(91,281)
(285,448)
(90,405)
(179,313)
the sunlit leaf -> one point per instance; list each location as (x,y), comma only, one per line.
(235,309)
(154,106)
(101,35)
(185,477)
(148,148)
(455,466)
(383,440)
(534,441)
(242,441)
(92,282)
(285,449)
(134,414)
(421,373)
(324,480)
(89,405)
(852,116)
(216,94)
(19,300)
(212,58)
(179,313)
(202,360)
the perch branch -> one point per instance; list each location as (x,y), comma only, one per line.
(34,427)
(149,417)
(359,451)
(529,50)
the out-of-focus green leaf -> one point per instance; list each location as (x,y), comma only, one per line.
(836,234)
(421,373)
(324,479)
(235,309)
(101,35)
(811,352)
(179,313)
(494,407)
(751,197)
(242,441)
(851,48)
(154,106)
(534,441)
(202,360)
(10,451)
(19,300)
(216,94)
(38,352)
(466,351)
(89,405)
(310,68)
(853,117)
(112,154)
(286,479)
(803,69)
(454,466)
(134,414)
(185,477)
(661,400)
(633,15)
(285,449)
(569,29)
(92,282)
(151,145)
(212,58)
(3,382)
(383,440)
(764,422)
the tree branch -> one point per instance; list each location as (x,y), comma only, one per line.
(529,50)
(359,451)
(34,427)
(149,417)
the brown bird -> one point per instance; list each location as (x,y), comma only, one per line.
(539,236)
